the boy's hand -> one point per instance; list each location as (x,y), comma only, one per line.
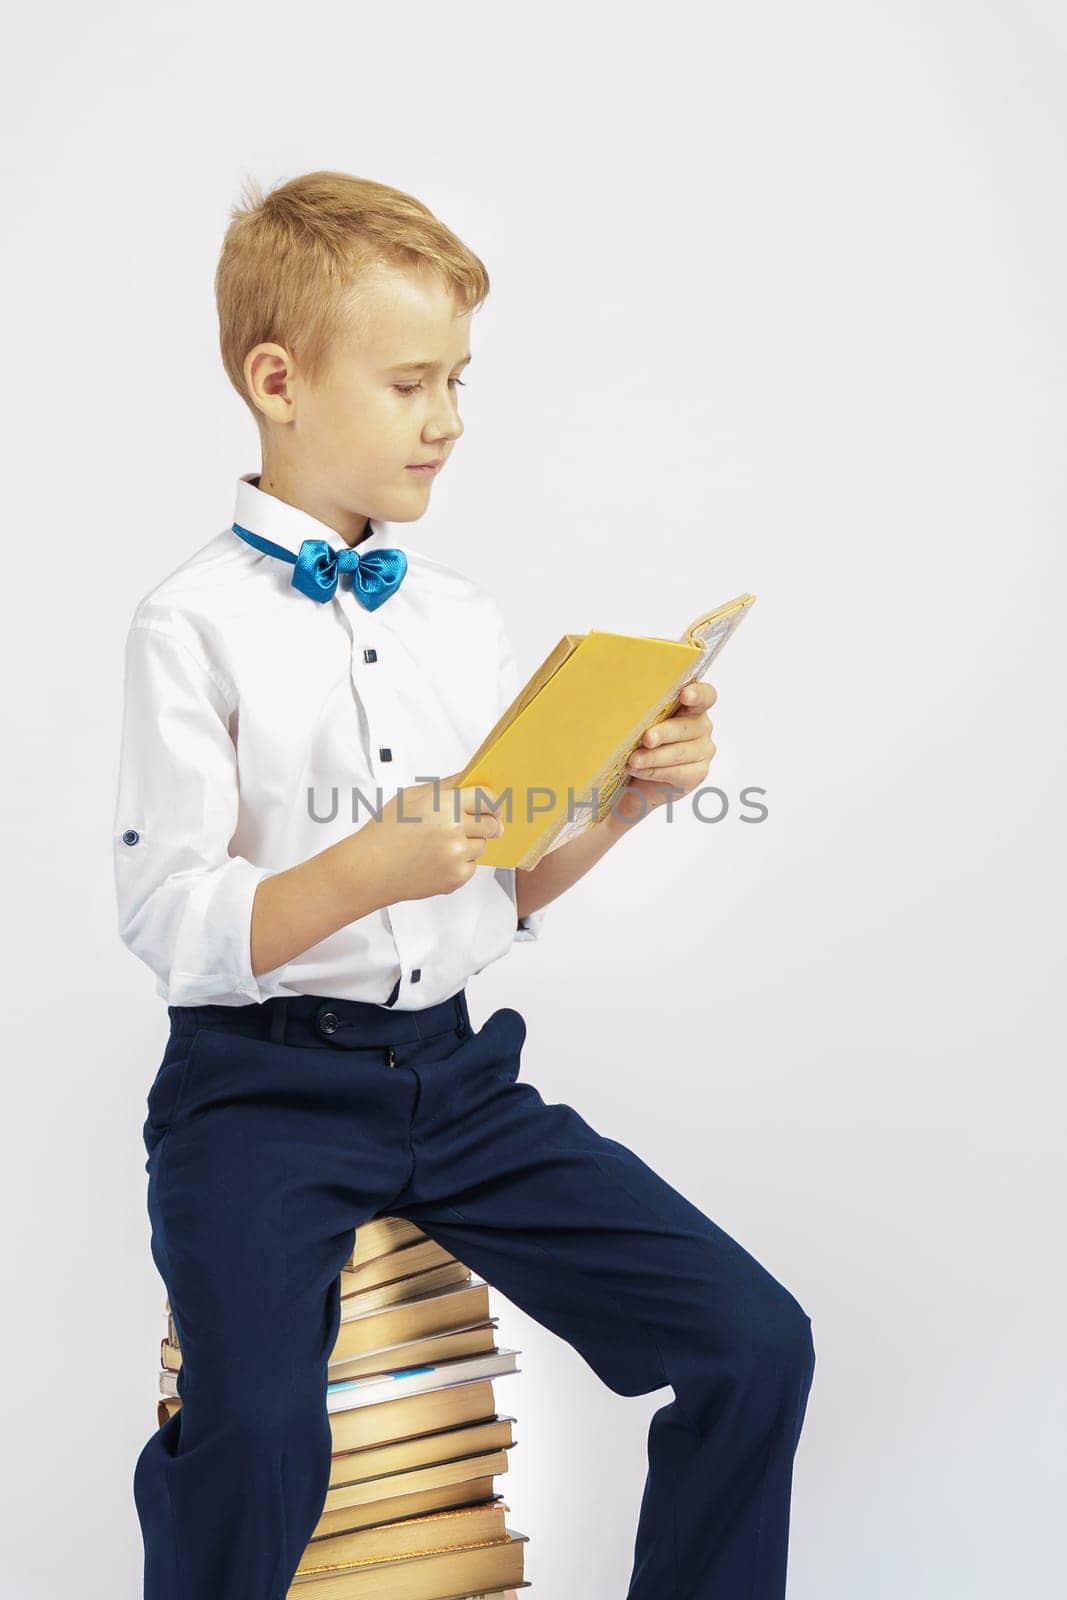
(676,752)
(439,853)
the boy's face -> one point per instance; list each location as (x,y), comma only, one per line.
(349,447)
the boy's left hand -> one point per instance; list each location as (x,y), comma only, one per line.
(672,758)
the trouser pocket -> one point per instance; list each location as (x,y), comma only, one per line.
(165,1095)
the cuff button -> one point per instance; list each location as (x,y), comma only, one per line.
(131,836)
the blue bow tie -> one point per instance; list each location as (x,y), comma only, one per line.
(375,575)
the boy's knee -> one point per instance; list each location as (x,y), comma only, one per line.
(771,1346)
(792,1341)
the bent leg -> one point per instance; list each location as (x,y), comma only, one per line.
(588,1240)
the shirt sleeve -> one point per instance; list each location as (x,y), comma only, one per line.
(184,902)
(528,927)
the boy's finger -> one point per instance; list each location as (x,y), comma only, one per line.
(688,750)
(673,729)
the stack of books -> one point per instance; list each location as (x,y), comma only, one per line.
(410,1512)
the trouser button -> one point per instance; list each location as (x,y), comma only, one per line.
(390,1056)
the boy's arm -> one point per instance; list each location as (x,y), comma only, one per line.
(294,909)
(563,867)
(187,907)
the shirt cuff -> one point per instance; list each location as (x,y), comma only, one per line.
(529,926)
(194,929)
(223,932)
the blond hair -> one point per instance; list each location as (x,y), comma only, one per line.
(291,257)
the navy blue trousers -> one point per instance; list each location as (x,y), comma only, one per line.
(275,1130)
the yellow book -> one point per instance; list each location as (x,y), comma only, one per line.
(562,745)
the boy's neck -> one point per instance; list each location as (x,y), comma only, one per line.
(351,526)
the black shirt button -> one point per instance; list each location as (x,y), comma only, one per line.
(416,974)
(328,1022)
(131,836)
(385,753)
(370,655)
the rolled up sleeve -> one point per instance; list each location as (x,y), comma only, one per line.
(528,927)
(184,901)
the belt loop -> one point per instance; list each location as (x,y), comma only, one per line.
(279,1007)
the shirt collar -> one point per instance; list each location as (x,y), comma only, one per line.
(288,526)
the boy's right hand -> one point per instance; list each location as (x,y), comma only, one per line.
(412,860)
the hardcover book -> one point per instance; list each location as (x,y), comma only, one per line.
(562,746)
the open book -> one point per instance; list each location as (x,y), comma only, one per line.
(562,745)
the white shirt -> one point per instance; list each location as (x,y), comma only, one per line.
(247,705)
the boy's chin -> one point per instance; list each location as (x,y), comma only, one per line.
(407,510)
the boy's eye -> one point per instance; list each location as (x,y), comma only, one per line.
(410,388)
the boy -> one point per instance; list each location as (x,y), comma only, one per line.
(321,1067)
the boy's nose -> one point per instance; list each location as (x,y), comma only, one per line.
(448,430)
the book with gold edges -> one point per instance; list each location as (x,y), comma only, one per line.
(557,756)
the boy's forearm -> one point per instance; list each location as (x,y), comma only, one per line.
(560,868)
(297,908)
(302,905)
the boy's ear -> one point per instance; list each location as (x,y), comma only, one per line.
(269,373)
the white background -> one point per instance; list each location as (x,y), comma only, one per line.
(777,304)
